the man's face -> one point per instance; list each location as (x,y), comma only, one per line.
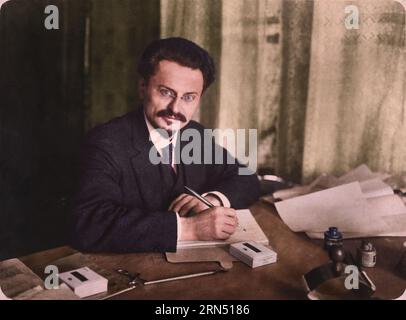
(172,95)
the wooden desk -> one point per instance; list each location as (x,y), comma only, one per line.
(283,280)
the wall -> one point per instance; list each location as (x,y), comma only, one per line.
(41,122)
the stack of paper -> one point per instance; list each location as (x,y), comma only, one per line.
(361,173)
(359,203)
(248,230)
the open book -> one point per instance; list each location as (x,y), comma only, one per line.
(248,230)
(18,282)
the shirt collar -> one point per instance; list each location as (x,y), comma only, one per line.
(159,140)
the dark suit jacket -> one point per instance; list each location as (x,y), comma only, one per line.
(120,205)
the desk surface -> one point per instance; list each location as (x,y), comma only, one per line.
(283,280)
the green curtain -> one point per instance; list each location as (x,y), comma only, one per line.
(244,38)
(323,98)
(356,108)
(199,21)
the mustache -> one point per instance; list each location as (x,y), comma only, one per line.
(170,113)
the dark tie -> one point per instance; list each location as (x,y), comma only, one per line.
(168,154)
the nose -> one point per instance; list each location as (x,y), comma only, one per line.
(175,105)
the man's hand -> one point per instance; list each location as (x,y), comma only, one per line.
(216,223)
(185,202)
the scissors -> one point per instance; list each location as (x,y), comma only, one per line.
(133,277)
(135,280)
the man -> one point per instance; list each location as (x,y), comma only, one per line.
(125,202)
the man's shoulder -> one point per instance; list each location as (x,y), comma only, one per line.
(195,125)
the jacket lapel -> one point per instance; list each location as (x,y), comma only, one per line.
(147,174)
(193,173)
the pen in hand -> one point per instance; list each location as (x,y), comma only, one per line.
(206,202)
(198,196)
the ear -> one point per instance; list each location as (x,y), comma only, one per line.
(142,88)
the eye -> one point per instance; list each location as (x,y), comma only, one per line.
(188,97)
(165,92)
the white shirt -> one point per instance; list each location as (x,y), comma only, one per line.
(160,142)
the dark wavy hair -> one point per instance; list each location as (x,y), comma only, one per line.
(179,50)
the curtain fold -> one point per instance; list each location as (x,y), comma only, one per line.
(244,39)
(356,106)
(199,21)
(297,19)
(323,98)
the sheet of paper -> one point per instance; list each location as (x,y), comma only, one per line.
(291,192)
(359,203)
(396,223)
(389,205)
(249,230)
(321,183)
(387,218)
(347,207)
(371,183)
(325,181)
(375,188)
(343,206)
(361,173)
(385,215)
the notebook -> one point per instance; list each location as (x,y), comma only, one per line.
(248,230)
